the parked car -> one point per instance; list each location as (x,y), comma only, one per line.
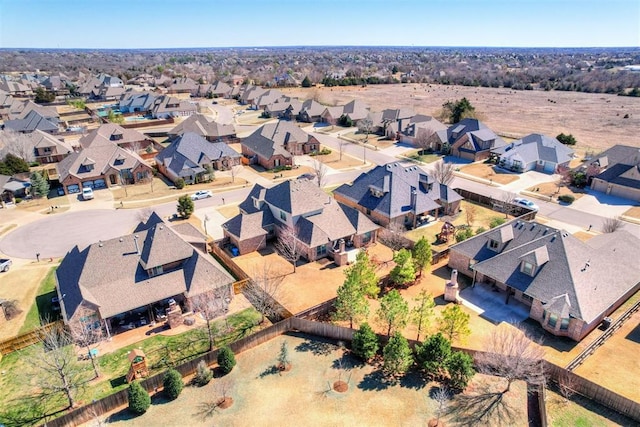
(202,194)
(87,193)
(308,176)
(526,203)
(5,264)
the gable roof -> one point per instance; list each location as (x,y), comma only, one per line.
(473,131)
(624,154)
(113,133)
(394,184)
(536,147)
(583,278)
(111,276)
(621,174)
(41,139)
(31,122)
(199,124)
(271,138)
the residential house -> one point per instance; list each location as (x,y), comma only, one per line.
(129,139)
(131,280)
(569,285)
(420,131)
(166,106)
(275,144)
(102,164)
(616,171)
(49,149)
(268,97)
(14,87)
(248,94)
(534,152)
(20,109)
(311,111)
(183,85)
(189,155)
(321,226)
(469,139)
(331,115)
(208,129)
(12,187)
(217,89)
(137,102)
(355,110)
(402,195)
(31,122)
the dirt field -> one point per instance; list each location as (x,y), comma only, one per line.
(596,120)
(302,396)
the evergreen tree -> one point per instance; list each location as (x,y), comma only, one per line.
(306,82)
(173,384)
(422,312)
(454,323)
(460,368)
(433,353)
(12,165)
(139,399)
(404,272)
(39,185)
(422,254)
(351,304)
(566,139)
(393,312)
(363,271)
(365,342)
(185,206)
(226,359)
(397,355)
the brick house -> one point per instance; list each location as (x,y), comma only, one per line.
(322,226)
(617,172)
(569,285)
(469,139)
(275,144)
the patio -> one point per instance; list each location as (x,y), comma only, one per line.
(489,303)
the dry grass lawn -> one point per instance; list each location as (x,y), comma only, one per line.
(486,171)
(634,212)
(550,189)
(229,211)
(333,160)
(284,174)
(596,120)
(377,141)
(303,395)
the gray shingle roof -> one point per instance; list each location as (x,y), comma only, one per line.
(396,183)
(199,124)
(31,122)
(109,274)
(592,275)
(114,133)
(270,139)
(536,147)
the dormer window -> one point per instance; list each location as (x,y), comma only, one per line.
(527,268)
(493,244)
(283,215)
(376,192)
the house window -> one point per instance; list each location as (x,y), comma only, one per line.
(553,319)
(321,250)
(155,271)
(366,237)
(368,211)
(47,149)
(494,244)
(527,268)
(140,176)
(283,215)
(564,324)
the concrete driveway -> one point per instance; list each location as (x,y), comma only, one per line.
(529,179)
(53,236)
(602,204)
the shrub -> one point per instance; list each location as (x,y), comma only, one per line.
(433,353)
(496,221)
(203,374)
(172,384)
(566,198)
(365,342)
(185,206)
(480,230)
(179,183)
(139,399)
(226,359)
(464,234)
(460,368)
(17,200)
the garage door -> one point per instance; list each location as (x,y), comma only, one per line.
(74,188)
(99,183)
(549,167)
(88,184)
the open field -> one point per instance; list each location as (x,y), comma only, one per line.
(596,120)
(303,395)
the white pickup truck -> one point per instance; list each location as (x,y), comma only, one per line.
(5,264)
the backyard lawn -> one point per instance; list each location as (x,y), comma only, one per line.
(42,307)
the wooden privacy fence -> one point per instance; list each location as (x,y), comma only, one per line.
(228,261)
(25,340)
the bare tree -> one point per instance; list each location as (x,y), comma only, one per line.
(441,395)
(235,170)
(611,225)
(507,203)
(222,390)
(511,354)
(365,126)
(18,144)
(423,139)
(443,172)
(470,213)
(567,385)
(85,334)
(393,236)
(321,171)
(211,305)
(264,289)
(287,244)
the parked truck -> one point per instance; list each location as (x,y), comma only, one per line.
(5,264)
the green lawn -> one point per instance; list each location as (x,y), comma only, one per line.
(161,351)
(42,307)
(580,412)
(422,156)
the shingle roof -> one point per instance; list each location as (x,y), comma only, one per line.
(621,174)
(115,134)
(199,124)
(109,274)
(536,147)
(247,226)
(395,183)
(592,275)
(31,122)
(474,131)
(270,139)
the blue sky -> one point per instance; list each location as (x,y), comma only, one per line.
(228,23)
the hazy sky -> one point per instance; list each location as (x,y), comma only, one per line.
(226,23)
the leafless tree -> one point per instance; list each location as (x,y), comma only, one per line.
(365,126)
(393,236)
(611,225)
(264,289)
(442,395)
(18,144)
(511,354)
(423,139)
(235,170)
(287,244)
(443,172)
(222,390)
(507,203)
(321,171)
(86,334)
(211,305)
(470,213)
(567,385)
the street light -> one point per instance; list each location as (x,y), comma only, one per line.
(206,218)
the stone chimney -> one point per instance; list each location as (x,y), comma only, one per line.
(451,290)
(342,245)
